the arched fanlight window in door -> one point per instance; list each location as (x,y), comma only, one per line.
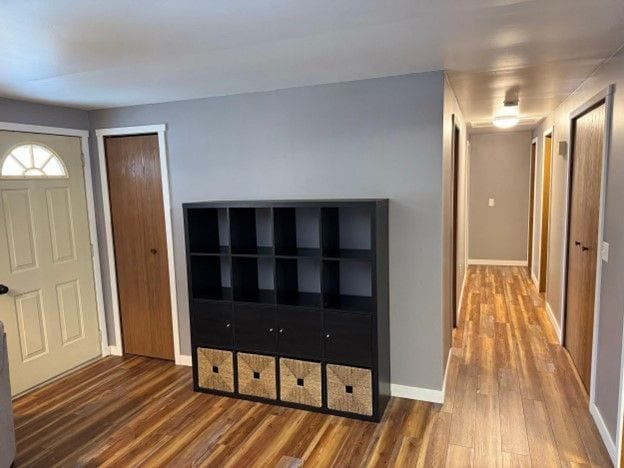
(32,161)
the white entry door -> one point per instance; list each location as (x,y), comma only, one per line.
(49,311)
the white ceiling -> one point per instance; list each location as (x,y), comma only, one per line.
(95,54)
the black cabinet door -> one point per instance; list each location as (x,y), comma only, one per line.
(211,323)
(347,337)
(255,328)
(299,332)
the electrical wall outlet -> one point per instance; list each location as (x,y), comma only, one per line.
(491,202)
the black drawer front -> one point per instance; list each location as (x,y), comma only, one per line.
(299,332)
(255,328)
(347,338)
(212,323)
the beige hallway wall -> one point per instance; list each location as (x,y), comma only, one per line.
(500,166)
(611,313)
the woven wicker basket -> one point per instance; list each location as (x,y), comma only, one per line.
(300,382)
(256,375)
(349,389)
(215,369)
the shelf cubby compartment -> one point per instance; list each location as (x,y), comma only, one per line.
(251,231)
(347,285)
(346,232)
(208,231)
(297,232)
(253,279)
(298,281)
(210,277)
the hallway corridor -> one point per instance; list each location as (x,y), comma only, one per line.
(512,401)
(513,395)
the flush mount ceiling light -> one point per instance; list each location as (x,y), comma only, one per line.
(508,116)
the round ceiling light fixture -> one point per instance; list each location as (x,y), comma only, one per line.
(508,116)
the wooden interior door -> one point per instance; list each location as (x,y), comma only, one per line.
(455,211)
(583,242)
(531,207)
(137,214)
(543,270)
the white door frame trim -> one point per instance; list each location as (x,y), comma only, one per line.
(88,180)
(605,95)
(160,130)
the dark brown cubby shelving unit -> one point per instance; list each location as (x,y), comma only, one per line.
(303,284)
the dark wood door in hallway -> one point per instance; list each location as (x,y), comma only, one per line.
(583,241)
(513,399)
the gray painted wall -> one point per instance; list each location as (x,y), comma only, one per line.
(500,167)
(611,293)
(40,114)
(370,138)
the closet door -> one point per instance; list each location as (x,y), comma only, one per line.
(583,244)
(134,184)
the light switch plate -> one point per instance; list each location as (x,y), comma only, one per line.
(604,252)
(491,202)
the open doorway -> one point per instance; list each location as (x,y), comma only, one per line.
(531,204)
(545,222)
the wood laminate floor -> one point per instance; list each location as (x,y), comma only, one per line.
(513,400)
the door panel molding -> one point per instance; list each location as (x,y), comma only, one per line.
(160,130)
(20,232)
(89,193)
(62,234)
(70,307)
(32,325)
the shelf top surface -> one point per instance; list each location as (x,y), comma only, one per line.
(286,203)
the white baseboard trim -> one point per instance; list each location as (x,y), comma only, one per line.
(446,371)
(184,360)
(417,393)
(459,305)
(422,394)
(553,320)
(482,261)
(535,280)
(181,360)
(604,432)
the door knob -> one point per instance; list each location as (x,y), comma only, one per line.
(281,330)
(577,243)
(153,251)
(584,248)
(327,336)
(271,330)
(4,289)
